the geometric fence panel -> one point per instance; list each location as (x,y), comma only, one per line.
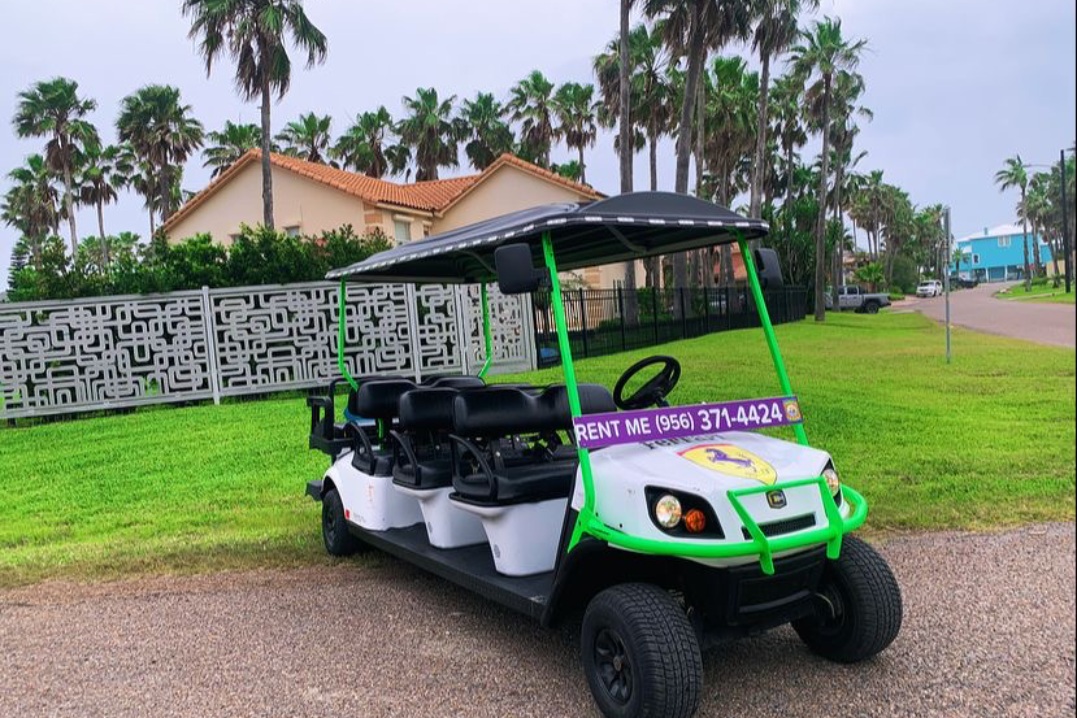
(100,353)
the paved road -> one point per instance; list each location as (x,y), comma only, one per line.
(1040,322)
(989,631)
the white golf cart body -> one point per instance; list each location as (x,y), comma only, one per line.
(474,482)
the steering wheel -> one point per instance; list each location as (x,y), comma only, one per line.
(657,388)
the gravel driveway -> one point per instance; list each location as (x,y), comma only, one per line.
(989,631)
(1041,322)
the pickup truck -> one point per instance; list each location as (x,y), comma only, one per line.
(859,300)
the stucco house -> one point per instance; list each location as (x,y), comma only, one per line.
(309,198)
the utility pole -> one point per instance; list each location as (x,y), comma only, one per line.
(946,276)
(1065,221)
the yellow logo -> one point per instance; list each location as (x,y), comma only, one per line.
(731,460)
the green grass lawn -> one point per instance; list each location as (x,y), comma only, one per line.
(1038,293)
(984,443)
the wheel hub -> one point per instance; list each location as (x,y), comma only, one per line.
(614,667)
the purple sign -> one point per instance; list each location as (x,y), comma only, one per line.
(630,427)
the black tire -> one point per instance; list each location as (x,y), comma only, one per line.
(338,542)
(640,654)
(871,307)
(866,601)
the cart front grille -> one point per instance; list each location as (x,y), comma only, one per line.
(785,526)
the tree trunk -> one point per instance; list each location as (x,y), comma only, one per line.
(761,138)
(166,193)
(101,227)
(626,155)
(267,167)
(788,191)
(1037,265)
(69,205)
(701,102)
(583,167)
(1028,273)
(838,275)
(820,224)
(1056,249)
(696,50)
(652,265)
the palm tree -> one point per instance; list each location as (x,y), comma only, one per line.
(163,134)
(789,128)
(575,109)
(30,205)
(531,104)
(104,170)
(431,132)
(1038,207)
(307,138)
(848,86)
(692,28)
(230,143)
(255,34)
(1014,174)
(53,109)
(824,52)
(775,32)
(362,146)
(490,137)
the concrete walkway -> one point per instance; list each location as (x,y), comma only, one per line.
(978,309)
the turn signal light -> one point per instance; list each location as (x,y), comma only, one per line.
(695,521)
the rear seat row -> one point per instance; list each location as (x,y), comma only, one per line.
(494,445)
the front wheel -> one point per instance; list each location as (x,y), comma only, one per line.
(640,654)
(871,307)
(860,609)
(338,542)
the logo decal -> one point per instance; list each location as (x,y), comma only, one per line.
(731,460)
(792,410)
(776,499)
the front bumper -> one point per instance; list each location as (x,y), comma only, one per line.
(758,545)
(314,489)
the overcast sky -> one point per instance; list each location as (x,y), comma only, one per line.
(956,85)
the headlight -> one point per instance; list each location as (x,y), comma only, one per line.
(667,511)
(832,481)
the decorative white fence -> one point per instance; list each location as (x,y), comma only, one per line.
(109,352)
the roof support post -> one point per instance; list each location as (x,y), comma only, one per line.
(768,328)
(487,332)
(587,511)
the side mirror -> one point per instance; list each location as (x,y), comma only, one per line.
(515,273)
(768,269)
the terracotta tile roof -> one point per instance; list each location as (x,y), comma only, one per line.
(431,196)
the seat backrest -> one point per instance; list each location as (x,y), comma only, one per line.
(504,411)
(381,399)
(427,409)
(456,382)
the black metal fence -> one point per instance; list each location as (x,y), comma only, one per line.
(604,321)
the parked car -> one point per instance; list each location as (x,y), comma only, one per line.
(859,300)
(929,288)
(963,282)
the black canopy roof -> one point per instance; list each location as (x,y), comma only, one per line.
(628,226)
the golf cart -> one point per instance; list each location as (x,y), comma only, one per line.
(671,527)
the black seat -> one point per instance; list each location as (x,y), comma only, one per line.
(378,400)
(422,459)
(489,472)
(455,382)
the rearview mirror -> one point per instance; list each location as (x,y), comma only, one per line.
(515,273)
(768,269)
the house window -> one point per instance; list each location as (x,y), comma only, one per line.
(292,231)
(1004,241)
(975,259)
(401,231)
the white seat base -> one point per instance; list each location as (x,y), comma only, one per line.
(369,501)
(523,537)
(446,525)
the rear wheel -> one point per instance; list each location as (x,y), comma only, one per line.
(640,654)
(860,609)
(338,542)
